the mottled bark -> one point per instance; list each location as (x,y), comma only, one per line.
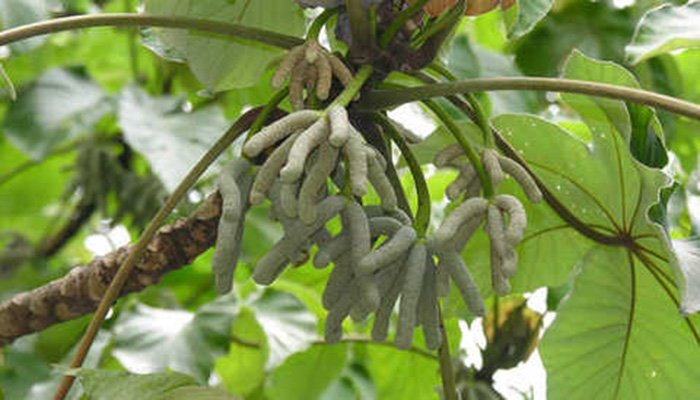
(79,292)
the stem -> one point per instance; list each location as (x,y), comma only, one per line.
(449,388)
(354,87)
(396,184)
(457,101)
(360,29)
(133,47)
(319,23)
(444,24)
(127,19)
(115,287)
(562,211)
(380,99)
(399,21)
(265,113)
(496,315)
(464,144)
(422,220)
(372,22)
(8,83)
(481,119)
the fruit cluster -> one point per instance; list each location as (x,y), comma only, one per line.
(316,169)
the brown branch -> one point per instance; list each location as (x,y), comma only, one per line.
(79,292)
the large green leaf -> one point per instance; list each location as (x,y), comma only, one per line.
(597,28)
(289,327)
(272,326)
(402,374)
(665,29)
(468,61)
(638,125)
(608,338)
(619,336)
(550,248)
(223,64)
(59,106)
(152,340)
(243,369)
(322,363)
(607,190)
(45,388)
(19,372)
(540,263)
(196,393)
(171,139)
(354,383)
(112,385)
(522,17)
(21,12)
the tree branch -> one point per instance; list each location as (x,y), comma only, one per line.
(380,99)
(125,269)
(127,19)
(79,292)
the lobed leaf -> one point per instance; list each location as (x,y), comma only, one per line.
(619,334)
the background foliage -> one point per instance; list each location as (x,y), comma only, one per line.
(105,134)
